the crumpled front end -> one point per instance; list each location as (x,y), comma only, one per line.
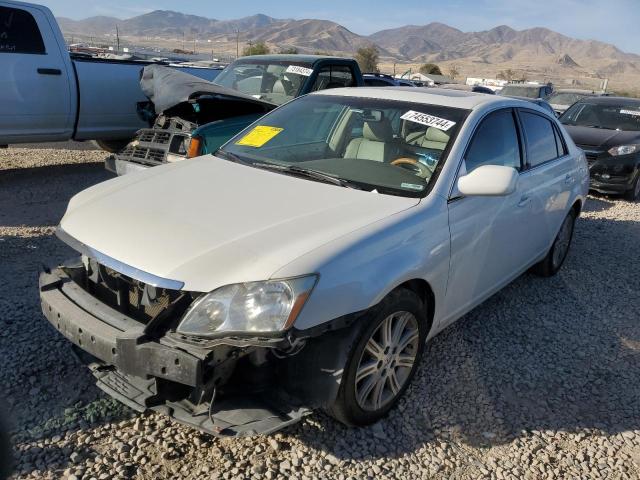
(125,331)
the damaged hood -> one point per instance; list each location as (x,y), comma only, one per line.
(208,222)
(167,87)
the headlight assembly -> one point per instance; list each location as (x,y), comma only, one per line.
(623,150)
(257,307)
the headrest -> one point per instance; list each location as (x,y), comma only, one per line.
(435,135)
(378,131)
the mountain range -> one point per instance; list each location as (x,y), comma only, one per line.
(434,42)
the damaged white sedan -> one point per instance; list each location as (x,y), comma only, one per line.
(306,263)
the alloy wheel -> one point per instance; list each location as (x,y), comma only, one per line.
(387,361)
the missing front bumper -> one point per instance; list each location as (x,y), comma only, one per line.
(147,375)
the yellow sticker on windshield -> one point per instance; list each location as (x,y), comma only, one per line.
(259,136)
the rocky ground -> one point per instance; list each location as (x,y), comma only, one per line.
(541,381)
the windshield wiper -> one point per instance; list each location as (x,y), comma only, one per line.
(230,156)
(308,173)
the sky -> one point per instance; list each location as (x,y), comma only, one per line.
(612,21)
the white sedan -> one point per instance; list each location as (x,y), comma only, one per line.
(306,264)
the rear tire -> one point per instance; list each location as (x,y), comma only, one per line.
(112,146)
(633,195)
(551,264)
(383,360)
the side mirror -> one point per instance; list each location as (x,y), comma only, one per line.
(489,181)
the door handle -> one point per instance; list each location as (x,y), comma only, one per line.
(524,201)
(568,179)
(49,71)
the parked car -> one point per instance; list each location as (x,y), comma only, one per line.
(305,265)
(528,90)
(384,80)
(49,95)
(608,130)
(562,99)
(467,88)
(195,117)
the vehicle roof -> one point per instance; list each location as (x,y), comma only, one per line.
(431,96)
(291,57)
(622,101)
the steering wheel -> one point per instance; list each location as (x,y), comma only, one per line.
(412,165)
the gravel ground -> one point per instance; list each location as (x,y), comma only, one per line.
(541,381)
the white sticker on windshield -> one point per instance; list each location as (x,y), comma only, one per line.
(428,120)
(635,113)
(299,70)
(412,186)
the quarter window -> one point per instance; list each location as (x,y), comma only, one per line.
(19,32)
(495,142)
(541,139)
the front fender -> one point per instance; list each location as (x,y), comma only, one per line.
(359,269)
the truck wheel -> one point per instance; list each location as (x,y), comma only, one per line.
(382,361)
(633,195)
(112,146)
(551,264)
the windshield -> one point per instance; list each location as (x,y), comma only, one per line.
(273,81)
(566,98)
(611,117)
(518,91)
(389,146)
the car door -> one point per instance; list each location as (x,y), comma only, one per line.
(490,236)
(547,177)
(35,95)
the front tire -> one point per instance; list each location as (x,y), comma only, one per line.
(551,264)
(633,195)
(383,360)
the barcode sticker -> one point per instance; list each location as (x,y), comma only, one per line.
(299,70)
(428,120)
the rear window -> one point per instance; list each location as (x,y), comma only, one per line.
(19,32)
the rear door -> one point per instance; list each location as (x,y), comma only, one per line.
(547,177)
(35,92)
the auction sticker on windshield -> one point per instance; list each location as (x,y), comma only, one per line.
(635,113)
(428,120)
(259,136)
(299,70)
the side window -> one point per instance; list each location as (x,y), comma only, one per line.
(334,76)
(19,32)
(495,142)
(541,138)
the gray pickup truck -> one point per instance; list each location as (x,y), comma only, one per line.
(195,117)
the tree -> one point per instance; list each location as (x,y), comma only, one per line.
(453,71)
(430,69)
(507,74)
(257,49)
(367,58)
(289,50)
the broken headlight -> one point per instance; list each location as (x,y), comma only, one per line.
(260,307)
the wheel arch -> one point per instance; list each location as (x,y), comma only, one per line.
(421,287)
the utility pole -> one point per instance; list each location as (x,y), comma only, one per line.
(117,40)
(183,49)
(194,45)
(394,69)
(237,43)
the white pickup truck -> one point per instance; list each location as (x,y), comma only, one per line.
(47,95)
